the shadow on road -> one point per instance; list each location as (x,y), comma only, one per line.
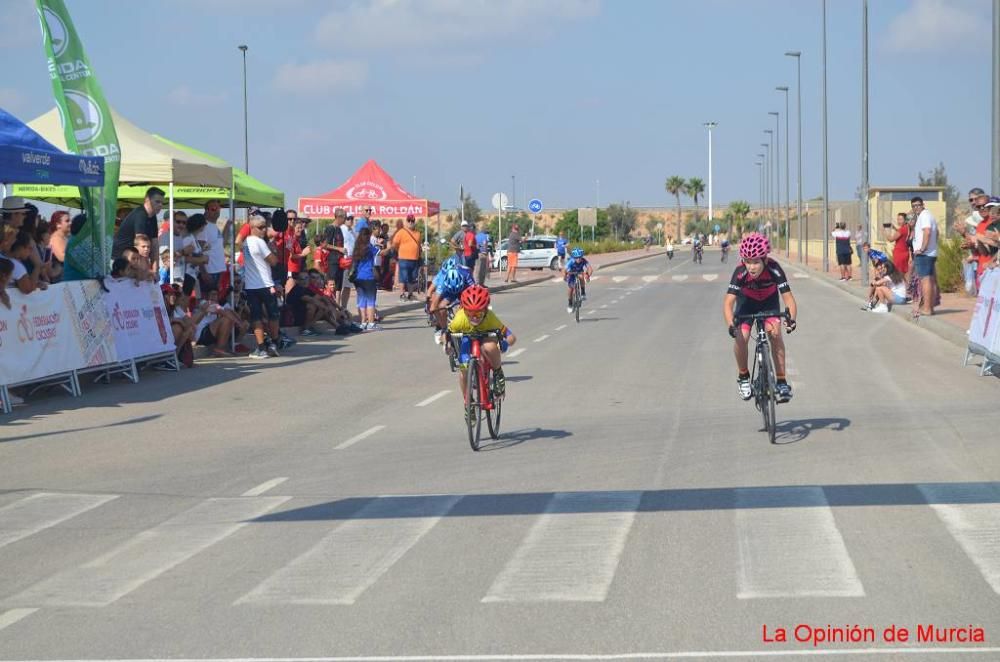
(791,432)
(509,439)
(597,319)
(131,421)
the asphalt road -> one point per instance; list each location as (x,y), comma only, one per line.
(327,505)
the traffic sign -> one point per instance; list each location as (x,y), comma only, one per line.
(535,206)
(717,228)
(499,201)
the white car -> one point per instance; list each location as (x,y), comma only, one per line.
(536,253)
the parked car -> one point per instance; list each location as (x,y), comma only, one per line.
(536,253)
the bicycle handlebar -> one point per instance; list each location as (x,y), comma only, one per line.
(476,334)
(761,316)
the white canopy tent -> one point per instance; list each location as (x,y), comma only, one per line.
(146,159)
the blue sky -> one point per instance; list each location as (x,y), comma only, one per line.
(559,93)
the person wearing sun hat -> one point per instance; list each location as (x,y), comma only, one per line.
(13,211)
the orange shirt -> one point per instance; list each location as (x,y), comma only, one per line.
(407,244)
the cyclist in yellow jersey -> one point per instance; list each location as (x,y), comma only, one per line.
(474,317)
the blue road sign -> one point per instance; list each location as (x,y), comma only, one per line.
(535,206)
(717,228)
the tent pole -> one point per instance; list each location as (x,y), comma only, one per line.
(170,211)
(232,263)
(102,231)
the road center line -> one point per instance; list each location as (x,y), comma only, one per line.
(560,327)
(14,615)
(541,338)
(591,312)
(436,396)
(264,487)
(516,353)
(358,437)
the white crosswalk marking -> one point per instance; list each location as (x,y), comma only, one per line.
(680,278)
(972,515)
(620,279)
(789,546)
(650,279)
(41,511)
(355,555)
(572,551)
(710,277)
(147,555)
(8,618)
(798,275)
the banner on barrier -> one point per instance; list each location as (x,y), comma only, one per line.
(984,330)
(138,318)
(51,331)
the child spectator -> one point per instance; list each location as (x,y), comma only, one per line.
(364,259)
(6,271)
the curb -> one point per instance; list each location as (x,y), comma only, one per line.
(943,330)
(419,305)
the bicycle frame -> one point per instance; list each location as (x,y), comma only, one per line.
(763,379)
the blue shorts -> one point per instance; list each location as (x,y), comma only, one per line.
(465,346)
(571,278)
(367,291)
(924,265)
(408,271)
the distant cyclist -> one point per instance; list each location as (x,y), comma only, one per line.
(696,248)
(725,249)
(577,268)
(754,288)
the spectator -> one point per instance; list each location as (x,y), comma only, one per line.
(13,212)
(327,308)
(458,241)
(138,266)
(321,256)
(297,247)
(333,244)
(899,234)
(364,268)
(15,245)
(860,237)
(470,248)
(41,240)
(181,247)
(144,246)
(350,238)
(925,244)
(483,267)
(59,234)
(297,310)
(362,221)
(561,244)
(513,250)
(842,237)
(33,262)
(887,289)
(260,291)
(406,244)
(141,220)
(180,323)
(6,271)
(981,247)
(120,267)
(197,260)
(213,245)
(213,324)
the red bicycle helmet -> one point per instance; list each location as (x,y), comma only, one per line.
(754,246)
(475,298)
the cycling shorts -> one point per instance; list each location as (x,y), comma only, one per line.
(465,346)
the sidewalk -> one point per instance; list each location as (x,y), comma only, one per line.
(950,321)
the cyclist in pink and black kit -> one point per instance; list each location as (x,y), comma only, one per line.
(755,288)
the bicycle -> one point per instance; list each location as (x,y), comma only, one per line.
(698,254)
(763,381)
(725,253)
(577,297)
(481,400)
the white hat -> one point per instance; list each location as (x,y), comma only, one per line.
(465,224)
(13,203)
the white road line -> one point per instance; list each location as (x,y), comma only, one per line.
(557,279)
(789,546)
(12,616)
(604,306)
(516,353)
(710,277)
(436,396)
(620,279)
(351,558)
(594,277)
(541,338)
(798,275)
(650,279)
(599,657)
(972,516)
(679,277)
(572,551)
(560,327)
(264,487)
(358,437)
(147,555)
(41,511)
(591,312)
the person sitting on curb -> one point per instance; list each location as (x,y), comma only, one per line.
(887,289)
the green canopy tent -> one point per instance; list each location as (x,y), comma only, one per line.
(247,191)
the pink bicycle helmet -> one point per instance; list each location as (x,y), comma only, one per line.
(754,245)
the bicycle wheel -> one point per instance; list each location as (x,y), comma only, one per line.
(772,398)
(473,420)
(767,395)
(577,301)
(493,414)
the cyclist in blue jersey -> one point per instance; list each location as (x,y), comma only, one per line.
(446,289)
(577,267)
(561,244)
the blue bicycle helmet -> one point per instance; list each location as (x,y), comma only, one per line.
(576,253)
(449,263)
(453,279)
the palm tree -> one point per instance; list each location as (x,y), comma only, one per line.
(739,209)
(675,186)
(694,188)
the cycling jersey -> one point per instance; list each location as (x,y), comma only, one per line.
(761,293)
(577,265)
(453,294)
(490,322)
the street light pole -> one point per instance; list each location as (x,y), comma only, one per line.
(865,210)
(767,180)
(777,167)
(773,156)
(246,133)
(788,220)
(826,178)
(760,187)
(996,96)
(710,125)
(798,141)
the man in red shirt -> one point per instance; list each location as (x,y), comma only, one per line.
(470,248)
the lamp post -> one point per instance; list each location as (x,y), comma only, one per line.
(826,179)
(798,141)
(996,96)
(760,187)
(865,210)
(788,221)
(710,126)
(777,168)
(246,134)
(767,177)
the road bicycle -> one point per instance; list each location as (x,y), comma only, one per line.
(577,297)
(481,399)
(763,380)
(698,254)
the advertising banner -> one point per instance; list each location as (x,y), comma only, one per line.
(52,331)
(89,131)
(984,331)
(138,319)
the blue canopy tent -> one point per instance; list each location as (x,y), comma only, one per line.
(27,158)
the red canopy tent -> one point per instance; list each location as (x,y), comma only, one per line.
(370,186)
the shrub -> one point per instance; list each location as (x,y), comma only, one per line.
(949,265)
